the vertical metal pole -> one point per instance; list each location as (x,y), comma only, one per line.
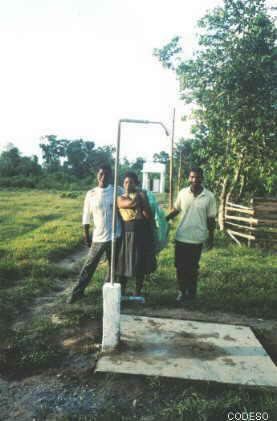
(114,205)
(171,163)
(179,171)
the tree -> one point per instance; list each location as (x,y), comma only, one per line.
(29,166)
(13,164)
(79,157)
(53,149)
(161,157)
(9,162)
(232,81)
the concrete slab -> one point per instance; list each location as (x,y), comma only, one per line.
(190,350)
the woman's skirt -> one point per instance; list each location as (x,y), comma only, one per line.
(136,256)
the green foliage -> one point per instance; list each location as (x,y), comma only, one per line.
(12,164)
(66,165)
(80,158)
(53,149)
(231,80)
(167,54)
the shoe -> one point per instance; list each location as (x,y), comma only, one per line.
(185,297)
(75,296)
(137,298)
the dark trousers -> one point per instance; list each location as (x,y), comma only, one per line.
(187,258)
(96,252)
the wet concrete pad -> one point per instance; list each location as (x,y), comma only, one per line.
(190,350)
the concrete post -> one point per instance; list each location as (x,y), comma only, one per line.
(111,316)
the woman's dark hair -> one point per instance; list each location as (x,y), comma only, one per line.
(198,170)
(133,176)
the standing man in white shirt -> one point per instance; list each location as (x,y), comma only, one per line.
(197,207)
(98,207)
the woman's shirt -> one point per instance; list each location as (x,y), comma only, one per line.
(132,213)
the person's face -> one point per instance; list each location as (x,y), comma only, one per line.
(103,178)
(195,179)
(129,185)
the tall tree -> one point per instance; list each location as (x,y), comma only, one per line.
(53,149)
(79,157)
(232,81)
(9,162)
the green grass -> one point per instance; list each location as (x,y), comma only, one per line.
(163,399)
(38,228)
(232,278)
(32,349)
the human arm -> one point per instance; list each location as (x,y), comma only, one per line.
(211,224)
(86,220)
(125,202)
(176,209)
(172,214)
(87,238)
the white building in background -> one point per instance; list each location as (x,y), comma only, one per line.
(158,183)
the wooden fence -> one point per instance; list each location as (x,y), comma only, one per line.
(254,224)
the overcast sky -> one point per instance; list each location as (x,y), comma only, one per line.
(74,67)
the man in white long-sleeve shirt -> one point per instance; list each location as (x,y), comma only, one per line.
(98,207)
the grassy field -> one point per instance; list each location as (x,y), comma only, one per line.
(38,228)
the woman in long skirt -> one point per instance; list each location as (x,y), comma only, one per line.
(137,250)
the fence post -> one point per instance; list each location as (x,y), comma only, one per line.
(251,225)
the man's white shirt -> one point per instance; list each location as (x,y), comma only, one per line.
(98,207)
(194,211)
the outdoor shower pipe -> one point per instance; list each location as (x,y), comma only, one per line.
(124,120)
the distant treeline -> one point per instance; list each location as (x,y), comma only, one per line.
(72,165)
(67,164)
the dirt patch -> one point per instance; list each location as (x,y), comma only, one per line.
(228,338)
(228,361)
(180,345)
(154,324)
(45,305)
(74,260)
